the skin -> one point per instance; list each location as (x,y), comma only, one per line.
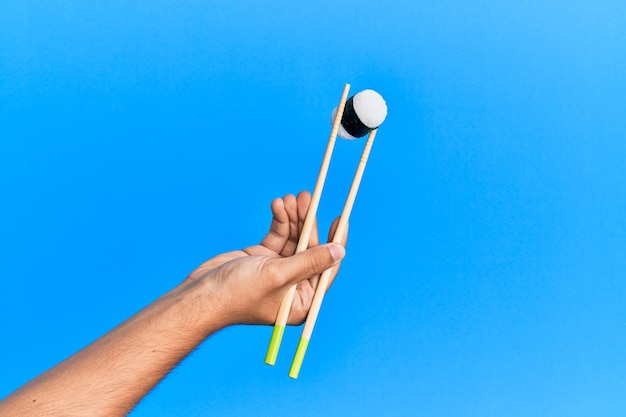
(111,375)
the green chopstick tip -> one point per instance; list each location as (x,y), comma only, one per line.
(273,348)
(298,358)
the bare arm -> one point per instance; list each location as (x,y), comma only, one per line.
(110,376)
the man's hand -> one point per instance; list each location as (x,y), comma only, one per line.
(249,284)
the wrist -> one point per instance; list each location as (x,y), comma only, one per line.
(202,308)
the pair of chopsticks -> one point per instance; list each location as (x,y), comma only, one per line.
(322,286)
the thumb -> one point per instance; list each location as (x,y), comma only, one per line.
(309,263)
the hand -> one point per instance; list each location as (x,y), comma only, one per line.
(249,284)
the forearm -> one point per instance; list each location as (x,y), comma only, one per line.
(110,376)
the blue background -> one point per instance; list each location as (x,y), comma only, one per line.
(485,269)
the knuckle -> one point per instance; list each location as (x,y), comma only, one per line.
(272,273)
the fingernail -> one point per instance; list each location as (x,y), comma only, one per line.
(337,251)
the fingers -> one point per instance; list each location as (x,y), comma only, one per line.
(282,237)
(307,264)
(333,229)
(304,201)
(291,204)
(331,235)
(279,229)
(289,214)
